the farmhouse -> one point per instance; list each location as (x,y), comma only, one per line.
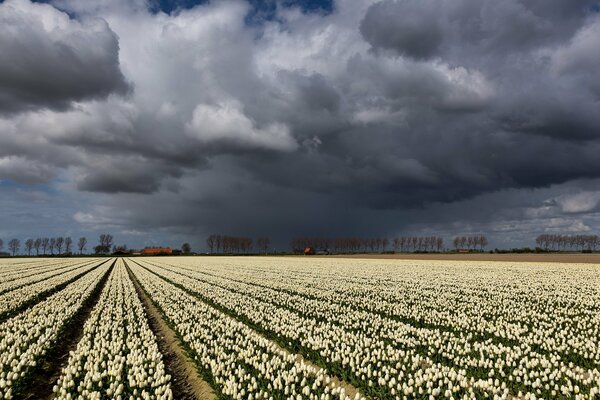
(152,251)
(309,251)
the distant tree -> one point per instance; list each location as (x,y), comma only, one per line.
(456,242)
(384,243)
(105,242)
(60,241)
(36,244)
(14,246)
(186,248)
(68,244)
(81,244)
(1,244)
(211,242)
(28,246)
(45,244)
(263,244)
(219,242)
(439,243)
(52,245)
(483,242)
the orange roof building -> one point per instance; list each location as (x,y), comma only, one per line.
(150,251)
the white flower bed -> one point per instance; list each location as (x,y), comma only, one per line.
(14,298)
(237,360)
(118,356)
(420,328)
(27,277)
(29,335)
(11,270)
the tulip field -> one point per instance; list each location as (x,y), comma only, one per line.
(299,328)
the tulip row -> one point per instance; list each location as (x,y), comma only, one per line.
(21,296)
(9,271)
(513,368)
(23,278)
(28,336)
(456,347)
(238,362)
(492,307)
(363,361)
(118,355)
(490,304)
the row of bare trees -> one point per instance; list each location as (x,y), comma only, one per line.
(418,243)
(476,242)
(357,244)
(568,242)
(230,244)
(59,245)
(45,246)
(339,244)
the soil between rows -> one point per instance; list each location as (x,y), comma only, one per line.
(47,372)
(186,384)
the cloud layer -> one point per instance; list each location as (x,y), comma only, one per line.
(351,117)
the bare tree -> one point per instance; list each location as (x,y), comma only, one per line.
(36,244)
(105,242)
(52,244)
(263,244)
(186,248)
(211,241)
(45,244)
(14,246)
(60,241)
(1,244)
(439,243)
(68,244)
(81,244)
(28,246)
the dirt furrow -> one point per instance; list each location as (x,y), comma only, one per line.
(186,383)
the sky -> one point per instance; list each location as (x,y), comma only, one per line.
(162,122)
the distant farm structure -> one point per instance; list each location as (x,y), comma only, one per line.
(153,251)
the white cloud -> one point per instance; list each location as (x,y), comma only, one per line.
(225,123)
(579,202)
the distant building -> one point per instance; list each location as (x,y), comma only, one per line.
(309,251)
(152,251)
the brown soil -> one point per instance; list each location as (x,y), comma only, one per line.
(46,374)
(510,257)
(186,384)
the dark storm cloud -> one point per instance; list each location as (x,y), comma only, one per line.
(410,27)
(365,118)
(50,61)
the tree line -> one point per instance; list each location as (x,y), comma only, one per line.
(364,245)
(568,242)
(44,246)
(57,245)
(470,242)
(218,243)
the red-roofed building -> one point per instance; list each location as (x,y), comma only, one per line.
(152,251)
